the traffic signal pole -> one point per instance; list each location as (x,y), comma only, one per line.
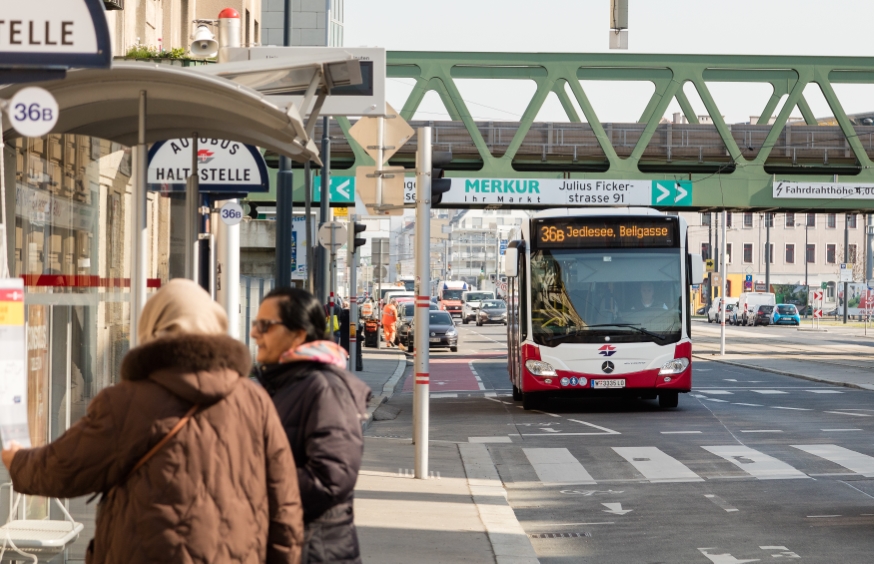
(421,389)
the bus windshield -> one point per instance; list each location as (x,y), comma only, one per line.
(585,295)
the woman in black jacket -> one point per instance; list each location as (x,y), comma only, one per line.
(321,406)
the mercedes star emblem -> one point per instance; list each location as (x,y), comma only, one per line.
(607,367)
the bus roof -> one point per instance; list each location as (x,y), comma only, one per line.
(574,212)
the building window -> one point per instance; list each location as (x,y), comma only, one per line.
(790,253)
(728,219)
(748,219)
(811,220)
(769,252)
(728,253)
(831,220)
(769,220)
(790,220)
(830,291)
(748,252)
(811,253)
(852,257)
(707,218)
(830,253)
(705,251)
(851,220)
(476,222)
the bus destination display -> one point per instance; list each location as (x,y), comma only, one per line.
(577,233)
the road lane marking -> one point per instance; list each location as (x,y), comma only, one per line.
(605,429)
(755,463)
(718,392)
(824,391)
(681,432)
(762,431)
(723,558)
(615,509)
(721,503)
(838,430)
(714,399)
(846,413)
(769,391)
(749,404)
(822,516)
(442,395)
(791,408)
(656,466)
(849,459)
(479,382)
(557,466)
(489,439)
(546,413)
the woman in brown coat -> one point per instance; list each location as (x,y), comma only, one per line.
(223,489)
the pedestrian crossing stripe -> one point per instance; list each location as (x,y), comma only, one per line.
(558,466)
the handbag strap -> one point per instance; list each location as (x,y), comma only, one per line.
(173,432)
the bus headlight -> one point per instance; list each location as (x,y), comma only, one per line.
(539,368)
(675,366)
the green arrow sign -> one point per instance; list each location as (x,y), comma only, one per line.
(671,193)
(342,189)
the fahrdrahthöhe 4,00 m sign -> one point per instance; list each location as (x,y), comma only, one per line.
(824,190)
(533,192)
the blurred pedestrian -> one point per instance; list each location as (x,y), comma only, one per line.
(389,323)
(222,489)
(321,406)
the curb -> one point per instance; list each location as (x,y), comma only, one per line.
(867,387)
(388,390)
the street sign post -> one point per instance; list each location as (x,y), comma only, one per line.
(32,111)
(846,272)
(332,236)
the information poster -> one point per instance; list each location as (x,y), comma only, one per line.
(13,379)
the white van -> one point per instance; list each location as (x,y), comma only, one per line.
(747,304)
(714,311)
(470,304)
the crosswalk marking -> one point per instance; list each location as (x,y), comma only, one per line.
(656,466)
(557,466)
(824,391)
(769,392)
(849,459)
(755,463)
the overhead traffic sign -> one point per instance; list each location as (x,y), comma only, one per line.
(226,167)
(823,190)
(342,190)
(535,193)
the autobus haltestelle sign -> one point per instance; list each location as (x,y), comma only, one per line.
(222,166)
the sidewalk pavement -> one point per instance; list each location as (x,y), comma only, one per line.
(845,375)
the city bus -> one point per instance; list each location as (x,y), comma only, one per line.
(598,304)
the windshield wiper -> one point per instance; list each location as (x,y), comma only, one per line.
(581,331)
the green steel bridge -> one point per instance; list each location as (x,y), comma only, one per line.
(732,166)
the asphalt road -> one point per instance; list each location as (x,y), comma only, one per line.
(751,467)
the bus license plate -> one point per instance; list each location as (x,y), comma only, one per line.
(608,383)
(437,340)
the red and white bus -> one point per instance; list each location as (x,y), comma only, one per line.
(599,303)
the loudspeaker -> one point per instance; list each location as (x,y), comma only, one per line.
(204,44)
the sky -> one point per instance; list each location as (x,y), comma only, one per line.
(777,27)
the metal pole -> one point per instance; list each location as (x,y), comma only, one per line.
(722,295)
(806,261)
(324,211)
(192,215)
(378,300)
(4,235)
(308,221)
(284,190)
(768,220)
(139,213)
(847,260)
(421,388)
(352,259)
(869,262)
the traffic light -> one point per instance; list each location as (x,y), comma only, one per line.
(358,241)
(439,186)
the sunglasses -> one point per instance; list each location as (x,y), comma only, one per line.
(262,326)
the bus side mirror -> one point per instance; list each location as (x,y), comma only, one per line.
(511,262)
(696,270)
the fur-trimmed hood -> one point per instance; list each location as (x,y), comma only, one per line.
(198,368)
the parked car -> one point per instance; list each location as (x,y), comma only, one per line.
(701,311)
(761,315)
(712,316)
(729,312)
(492,311)
(747,304)
(786,314)
(405,320)
(443,332)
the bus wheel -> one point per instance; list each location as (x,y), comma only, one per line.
(530,401)
(669,399)
(517,394)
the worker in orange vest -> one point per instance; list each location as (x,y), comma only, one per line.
(389,319)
